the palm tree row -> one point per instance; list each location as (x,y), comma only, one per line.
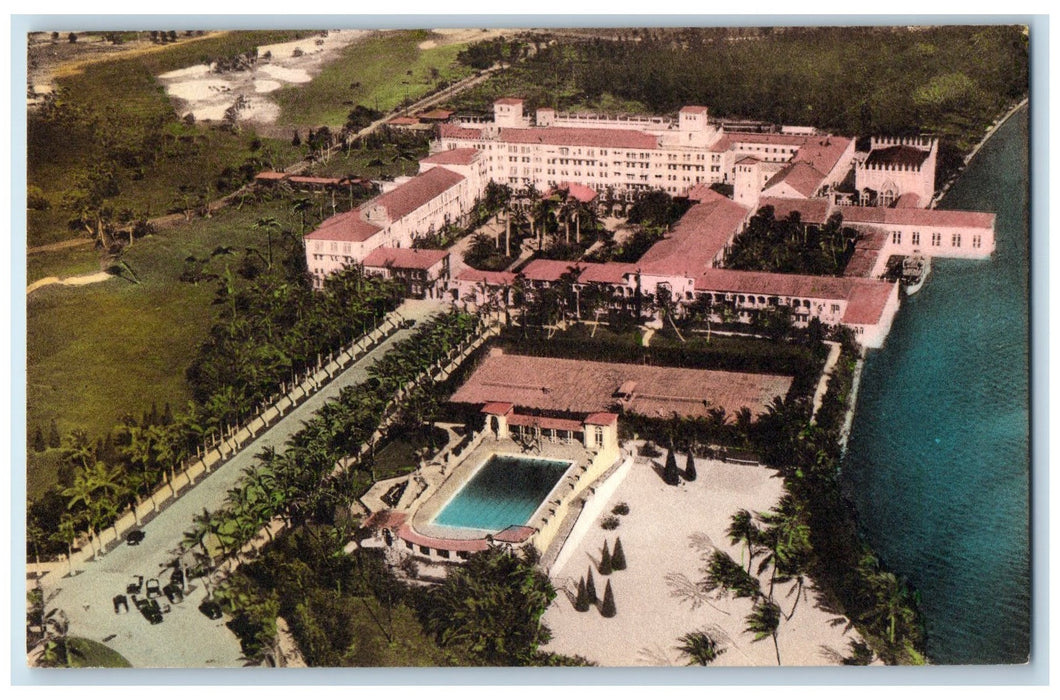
(271,329)
(300,483)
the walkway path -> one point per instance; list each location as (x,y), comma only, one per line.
(187,638)
(77,281)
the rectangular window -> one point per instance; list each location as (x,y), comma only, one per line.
(977,241)
(896,237)
(916,237)
(936,238)
(955,240)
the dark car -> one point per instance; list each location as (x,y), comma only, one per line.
(136,587)
(173,593)
(153,588)
(135,537)
(150,610)
(408,323)
(177,577)
(210,609)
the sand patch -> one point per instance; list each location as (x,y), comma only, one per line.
(424,45)
(184,73)
(267,85)
(664,537)
(199,90)
(288,75)
(208,96)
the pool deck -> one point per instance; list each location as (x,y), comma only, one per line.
(432,486)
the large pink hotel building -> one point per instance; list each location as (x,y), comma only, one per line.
(795,169)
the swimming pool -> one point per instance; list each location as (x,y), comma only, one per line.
(505,491)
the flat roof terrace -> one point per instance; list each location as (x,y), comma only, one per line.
(582,386)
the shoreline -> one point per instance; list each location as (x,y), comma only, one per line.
(848,418)
(991,130)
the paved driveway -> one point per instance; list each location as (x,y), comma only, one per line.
(186,638)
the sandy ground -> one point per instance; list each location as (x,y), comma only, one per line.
(463,36)
(208,95)
(665,537)
(77,281)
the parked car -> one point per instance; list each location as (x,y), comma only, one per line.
(136,586)
(173,593)
(211,609)
(177,577)
(135,537)
(153,589)
(150,610)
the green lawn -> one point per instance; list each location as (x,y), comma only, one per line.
(63,263)
(102,350)
(86,653)
(378,72)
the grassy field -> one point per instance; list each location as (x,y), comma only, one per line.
(378,72)
(98,351)
(86,653)
(118,104)
(62,263)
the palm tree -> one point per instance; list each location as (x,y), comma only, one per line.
(742,528)
(300,207)
(269,224)
(764,621)
(700,647)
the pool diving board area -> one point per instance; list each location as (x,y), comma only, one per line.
(505,491)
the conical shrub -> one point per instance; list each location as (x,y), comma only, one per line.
(690,467)
(606,566)
(581,601)
(590,587)
(607,608)
(618,557)
(670,473)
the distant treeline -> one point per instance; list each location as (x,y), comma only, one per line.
(952,80)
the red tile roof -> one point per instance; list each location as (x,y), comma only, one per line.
(867,302)
(582,193)
(407,534)
(696,239)
(866,298)
(605,273)
(694,109)
(776,139)
(572,136)
(774,284)
(811,211)
(508,101)
(347,227)
(917,217)
(541,270)
(405,258)
(601,419)
(909,200)
(436,114)
(270,175)
(455,131)
(823,153)
(586,387)
(699,192)
(866,252)
(721,145)
(454,156)
(497,408)
(410,196)
(801,177)
(545,423)
(403,121)
(488,277)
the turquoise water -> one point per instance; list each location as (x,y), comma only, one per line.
(505,491)
(938,465)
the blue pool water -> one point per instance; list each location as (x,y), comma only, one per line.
(938,465)
(505,491)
